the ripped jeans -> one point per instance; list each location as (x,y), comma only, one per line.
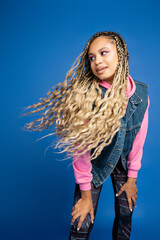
(123,216)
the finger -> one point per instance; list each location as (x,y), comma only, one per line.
(80,222)
(130,204)
(92,215)
(75,209)
(119,192)
(74,218)
(134,201)
(76,204)
(74,212)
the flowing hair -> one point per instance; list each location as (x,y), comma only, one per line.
(79,126)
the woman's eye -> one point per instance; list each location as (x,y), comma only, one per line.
(91,58)
(104,52)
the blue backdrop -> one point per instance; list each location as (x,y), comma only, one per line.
(40,40)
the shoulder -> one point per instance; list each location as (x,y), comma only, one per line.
(140,84)
(141,89)
(141,94)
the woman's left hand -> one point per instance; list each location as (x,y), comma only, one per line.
(131,190)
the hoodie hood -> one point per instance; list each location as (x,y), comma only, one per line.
(131,86)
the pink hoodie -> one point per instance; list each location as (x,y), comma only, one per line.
(82,167)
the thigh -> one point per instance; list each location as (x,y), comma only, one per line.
(119,178)
(86,225)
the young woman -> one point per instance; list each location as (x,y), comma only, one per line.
(101,116)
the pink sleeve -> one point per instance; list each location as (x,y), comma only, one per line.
(135,155)
(82,171)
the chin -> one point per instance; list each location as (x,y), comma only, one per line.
(104,77)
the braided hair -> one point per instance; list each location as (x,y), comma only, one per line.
(78,126)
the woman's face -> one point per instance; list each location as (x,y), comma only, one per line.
(103,58)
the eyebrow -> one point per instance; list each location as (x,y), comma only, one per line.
(98,51)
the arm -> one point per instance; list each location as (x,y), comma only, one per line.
(135,155)
(134,162)
(82,171)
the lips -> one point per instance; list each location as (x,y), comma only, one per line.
(100,69)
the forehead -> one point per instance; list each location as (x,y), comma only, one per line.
(101,42)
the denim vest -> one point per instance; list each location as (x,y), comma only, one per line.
(123,140)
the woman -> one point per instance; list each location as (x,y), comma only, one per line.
(102,120)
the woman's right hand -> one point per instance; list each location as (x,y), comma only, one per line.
(82,207)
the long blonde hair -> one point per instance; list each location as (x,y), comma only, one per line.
(79,126)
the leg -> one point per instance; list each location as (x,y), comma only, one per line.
(86,228)
(123,215)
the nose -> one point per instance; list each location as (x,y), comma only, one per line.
(98,59)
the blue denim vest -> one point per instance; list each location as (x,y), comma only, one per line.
(123,140)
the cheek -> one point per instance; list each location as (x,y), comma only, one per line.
(114,63)
(92,68)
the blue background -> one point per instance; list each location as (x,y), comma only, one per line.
(40,40)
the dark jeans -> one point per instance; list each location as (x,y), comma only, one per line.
(123,215)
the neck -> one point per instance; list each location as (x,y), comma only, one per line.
(109,80)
